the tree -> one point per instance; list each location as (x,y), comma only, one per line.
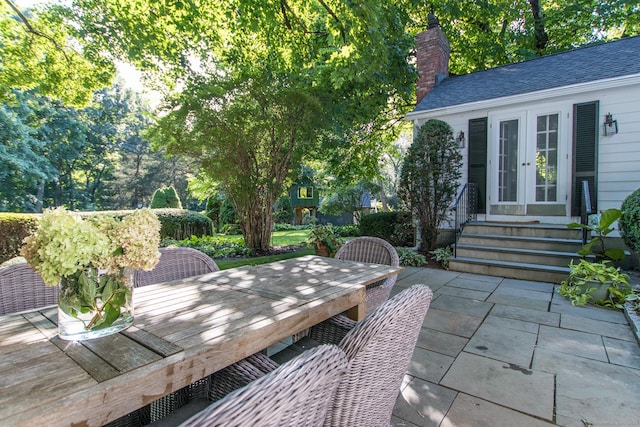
(248,135)
(41,51)
(429,178)
(347,198)
(284,211)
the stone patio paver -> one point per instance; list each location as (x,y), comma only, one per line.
(469,411)
(451,322)
(502,343)
(574,343)
(506,384)
(590,392)
(441,342)
(533,359)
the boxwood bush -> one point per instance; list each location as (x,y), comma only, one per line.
(394,227)
(630,221)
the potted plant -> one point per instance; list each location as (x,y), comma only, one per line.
(324,240)
(92,261)
(595,282)
(595,279)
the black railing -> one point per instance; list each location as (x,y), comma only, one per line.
(586,209)
(465,209)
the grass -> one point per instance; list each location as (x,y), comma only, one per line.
(233,263)
(278,238)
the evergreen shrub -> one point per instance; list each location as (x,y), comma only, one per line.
(395,227)
(629,222)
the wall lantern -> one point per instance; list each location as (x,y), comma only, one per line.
(610,125)
(460,139)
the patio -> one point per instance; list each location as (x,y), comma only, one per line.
(507,352)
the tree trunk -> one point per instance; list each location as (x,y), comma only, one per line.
(538,24)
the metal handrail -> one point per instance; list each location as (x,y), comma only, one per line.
(586,209)
(465,209)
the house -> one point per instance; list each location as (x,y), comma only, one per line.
(304,199)
(532,132)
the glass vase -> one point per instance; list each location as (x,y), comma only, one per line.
(93,303)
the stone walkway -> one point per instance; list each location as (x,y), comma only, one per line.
(506,352)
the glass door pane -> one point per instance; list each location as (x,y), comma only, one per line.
(547,158)
(508,161)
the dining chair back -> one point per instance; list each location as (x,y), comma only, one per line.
(377,251)
(22,288)
(297,393)
(379,350)
(176,263)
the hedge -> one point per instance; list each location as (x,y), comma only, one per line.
(176,224)
(395,227)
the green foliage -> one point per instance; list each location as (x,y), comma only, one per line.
(442,256)
(278,122)
(165,197)
(324,236)
(230,229)
(578,289)
(347,198)
(284,211)
(215,247)
(395,227)
(629,222)
(410,258)
(596,246)
(347,230)
(13,229)
(430,178)
(181,224)
(46,54)
(228,215)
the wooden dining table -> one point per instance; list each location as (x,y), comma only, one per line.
(182,332)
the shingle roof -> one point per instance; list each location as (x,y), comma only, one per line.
(582,65)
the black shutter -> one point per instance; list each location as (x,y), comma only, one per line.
(585,153)
(477,169)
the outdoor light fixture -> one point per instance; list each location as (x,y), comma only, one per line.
(460,139)
(610,125)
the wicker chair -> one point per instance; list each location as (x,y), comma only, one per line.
(175,264)
(379,350)
(298,393)
(377,251)
(22,288)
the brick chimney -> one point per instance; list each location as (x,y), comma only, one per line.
(432,57)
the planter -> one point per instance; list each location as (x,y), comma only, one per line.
(93,304)
(322,250)
(597,290)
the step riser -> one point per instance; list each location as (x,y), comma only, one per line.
(551,259)
(523,231)
(508,272)
(540,245)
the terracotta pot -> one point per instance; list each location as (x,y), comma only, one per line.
(322,250)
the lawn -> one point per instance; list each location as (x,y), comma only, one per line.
(278,238)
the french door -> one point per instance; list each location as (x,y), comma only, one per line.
(529,163)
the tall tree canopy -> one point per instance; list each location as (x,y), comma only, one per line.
(40,49)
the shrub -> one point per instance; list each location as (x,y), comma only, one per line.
(181,224)
(284,211)
(165,197)
(430,178)
(442,256)
(394,227)
(212,209)
(227,215)
(629,223)
(347,230)
(230,229)
(14,227)
(286,227)
(410,258)
(215,247)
